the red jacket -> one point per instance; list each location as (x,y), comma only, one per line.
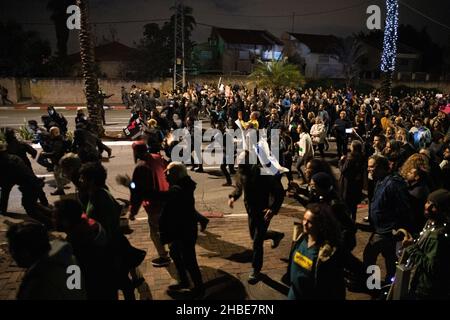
(148,177)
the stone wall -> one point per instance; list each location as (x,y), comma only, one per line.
(70,91)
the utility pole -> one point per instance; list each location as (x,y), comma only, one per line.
(179,71)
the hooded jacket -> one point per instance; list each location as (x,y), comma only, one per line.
(178,220)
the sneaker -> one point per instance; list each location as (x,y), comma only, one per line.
(254,278)
(276,241)
(198,293)
(58,193)
(161,262)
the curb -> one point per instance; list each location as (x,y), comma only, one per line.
(44,107)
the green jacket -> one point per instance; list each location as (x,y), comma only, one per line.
(430,257)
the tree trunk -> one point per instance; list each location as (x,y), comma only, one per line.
(386,86)
(87,66)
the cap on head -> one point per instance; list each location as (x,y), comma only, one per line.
(441,199)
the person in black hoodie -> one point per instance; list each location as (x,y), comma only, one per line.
(89,243)
(178,227)
(258,189)
(19,148)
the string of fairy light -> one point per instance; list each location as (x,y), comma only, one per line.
(390,37)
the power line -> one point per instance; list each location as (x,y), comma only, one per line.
(424,15)
(296,15)
(100,22)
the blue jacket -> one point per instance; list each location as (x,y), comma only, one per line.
(389,208)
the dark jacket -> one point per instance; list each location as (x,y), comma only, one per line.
(89,243)
(389,208)
(13,171)
(418,193)
(178,220)
(258,190)
(47,278)
(352,179)
(21,149)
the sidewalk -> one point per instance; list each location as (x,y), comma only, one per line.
(37,106)
(224,256)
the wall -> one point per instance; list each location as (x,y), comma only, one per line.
(11,85)
(70,91)
(443,86)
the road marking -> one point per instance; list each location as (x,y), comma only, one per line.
(45,175)
(235,215)
(108,143)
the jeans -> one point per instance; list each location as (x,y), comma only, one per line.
(258,232)
(384,244)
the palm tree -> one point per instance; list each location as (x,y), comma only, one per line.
(349,52)
(88,70)
(59,17)
(277,74)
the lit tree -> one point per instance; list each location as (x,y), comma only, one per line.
(389,46)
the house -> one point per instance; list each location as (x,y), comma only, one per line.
(408,60)
(111,58)
(237,50)
(314,53)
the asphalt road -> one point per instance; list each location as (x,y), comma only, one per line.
(116,120)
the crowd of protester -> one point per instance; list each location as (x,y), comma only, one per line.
(393,155)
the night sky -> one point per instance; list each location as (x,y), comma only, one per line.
(341,17)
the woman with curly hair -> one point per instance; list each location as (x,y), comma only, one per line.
(316,265)
(415,171)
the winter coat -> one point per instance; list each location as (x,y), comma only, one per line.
(318,133)
(178,221)
(148,177)
(305,147)
(352,179)
(431,263)
(389,208)
(258,189)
